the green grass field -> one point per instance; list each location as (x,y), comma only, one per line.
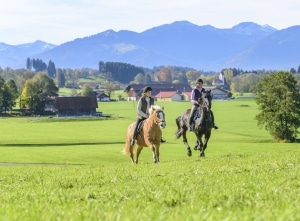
(53,169)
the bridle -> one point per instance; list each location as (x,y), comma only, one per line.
(160,118)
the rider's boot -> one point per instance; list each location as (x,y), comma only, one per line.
(134,136)
(213,120)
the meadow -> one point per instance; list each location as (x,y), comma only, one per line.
(73,169)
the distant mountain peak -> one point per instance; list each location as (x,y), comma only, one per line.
(250,28)
(181,43)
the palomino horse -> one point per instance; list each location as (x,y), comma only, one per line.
(148,136)
(203,114)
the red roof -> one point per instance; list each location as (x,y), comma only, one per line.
(166,94)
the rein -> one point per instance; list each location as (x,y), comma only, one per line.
(157,119)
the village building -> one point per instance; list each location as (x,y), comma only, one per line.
(171,92)
(76,106)
(134,91)
(168,96)
(101,96)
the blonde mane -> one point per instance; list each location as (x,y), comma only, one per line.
(155,108)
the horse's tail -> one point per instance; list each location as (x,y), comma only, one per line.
(127,147)
(179,129)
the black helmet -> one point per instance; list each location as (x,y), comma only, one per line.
(199,81)
(146,89)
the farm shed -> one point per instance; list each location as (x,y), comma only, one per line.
(75,106)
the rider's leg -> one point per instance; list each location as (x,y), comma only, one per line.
(135,132)
(191,119)
(213,120)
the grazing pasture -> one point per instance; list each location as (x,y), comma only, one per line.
(66,169)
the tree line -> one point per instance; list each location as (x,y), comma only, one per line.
(277,92)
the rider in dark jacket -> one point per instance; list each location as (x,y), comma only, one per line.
(195,95)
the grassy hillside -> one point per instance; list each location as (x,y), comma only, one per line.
(62,169)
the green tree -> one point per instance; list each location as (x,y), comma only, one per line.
(61,80)
(40,90)
(109,88)
(10,94)
(148,79)
(28,64)
(293,70)
(39,65)
(51,70)
(279,105)
(87,91)
(181,78)
(139,79)
(1,90)
(164,75)
(192,76)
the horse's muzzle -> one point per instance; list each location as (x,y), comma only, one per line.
(162,124)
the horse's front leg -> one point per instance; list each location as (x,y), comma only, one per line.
(199,143)
(207,136)
(189,151)
(155,150)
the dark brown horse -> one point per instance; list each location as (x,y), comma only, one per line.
(202,124)
(148,136)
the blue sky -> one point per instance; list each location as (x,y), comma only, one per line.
(59,21)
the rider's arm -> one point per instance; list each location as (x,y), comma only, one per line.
(193,100)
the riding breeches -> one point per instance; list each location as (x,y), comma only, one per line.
(194,109)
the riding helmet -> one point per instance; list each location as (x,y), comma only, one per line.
(199,81)
(146,89)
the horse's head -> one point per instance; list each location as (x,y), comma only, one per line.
(159,114)
(207,94)
(204,101)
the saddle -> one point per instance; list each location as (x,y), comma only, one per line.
(140,126)
(196,115)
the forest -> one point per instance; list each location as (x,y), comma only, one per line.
(39,81)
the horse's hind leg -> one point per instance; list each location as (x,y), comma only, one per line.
(138,151)
(131,154)
(179,128)
(189,151)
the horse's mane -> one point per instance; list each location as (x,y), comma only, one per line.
(154,108)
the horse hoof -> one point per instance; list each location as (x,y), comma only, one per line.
(189,153)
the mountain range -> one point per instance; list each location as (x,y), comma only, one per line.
(246,46)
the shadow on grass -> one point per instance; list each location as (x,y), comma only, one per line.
(58,144)
(35,164)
